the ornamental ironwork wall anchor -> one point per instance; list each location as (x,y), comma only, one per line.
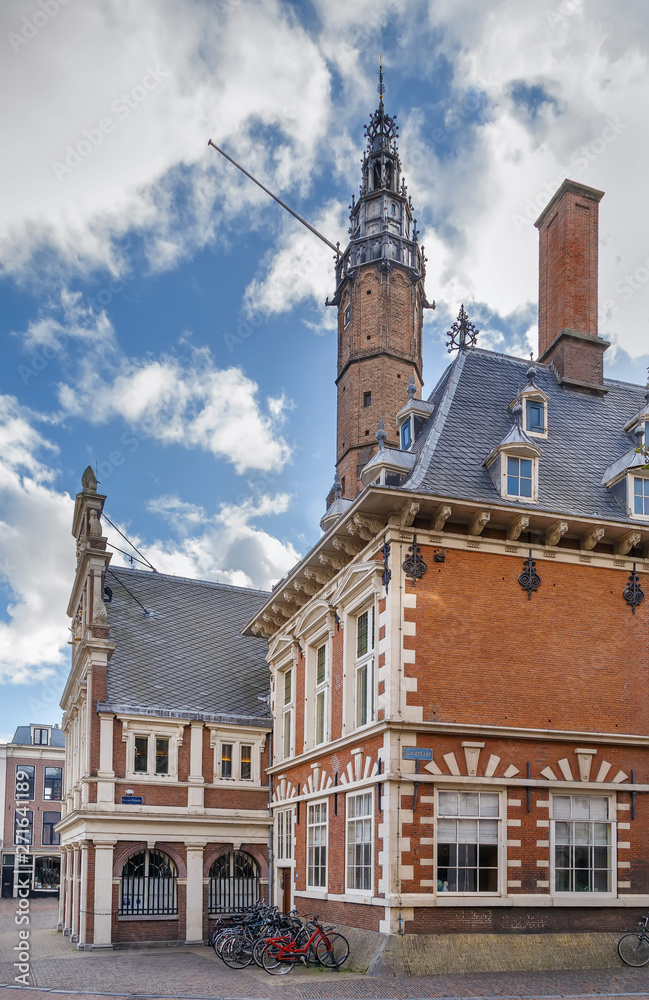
(387,572)
(633,593)
(529,578)
(413,565)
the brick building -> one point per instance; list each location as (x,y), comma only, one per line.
(33,767)
(165,813)
(458,665)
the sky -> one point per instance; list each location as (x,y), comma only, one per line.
(163,320)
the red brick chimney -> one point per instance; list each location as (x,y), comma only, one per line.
(568,250)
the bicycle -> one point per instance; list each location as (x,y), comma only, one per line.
(634,948)
(281,953)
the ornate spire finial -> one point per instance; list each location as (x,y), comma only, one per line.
(462,334)
(517,413)
(412,386)
(337,486)
(381,436)
(381,86)
(531,373)
(89,480)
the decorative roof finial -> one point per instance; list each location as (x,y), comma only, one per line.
(412,386)
(531,373)
(462,334)
(381,86)
(381,436)
(89,480)
(337,486)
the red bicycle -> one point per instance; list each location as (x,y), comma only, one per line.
(282,952)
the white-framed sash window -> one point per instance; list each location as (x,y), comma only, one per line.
(359,842)
(317,836)
(364,668)
(582,844)
(468,839)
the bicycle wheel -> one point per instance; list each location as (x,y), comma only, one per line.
(237,952)
(221,938)
(274,965)
(258,950)
(332,950)
(301,938)
(634,949)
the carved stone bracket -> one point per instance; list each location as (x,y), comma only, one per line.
(408,513)
(624,544)
(555,532)
(337,562)
(442,515)
(321,576)
(348,545)
(365,527)
(282,609)
(591,538)
(293,597)
(479,522)
(306,587)
(517,527)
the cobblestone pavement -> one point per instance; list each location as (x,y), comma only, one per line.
(172,973)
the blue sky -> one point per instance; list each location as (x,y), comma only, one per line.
(164,319)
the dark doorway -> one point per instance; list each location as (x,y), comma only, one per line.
(286,890)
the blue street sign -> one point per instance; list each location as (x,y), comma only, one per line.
(131,800)
(417,753)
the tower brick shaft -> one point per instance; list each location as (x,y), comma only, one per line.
(380,298)
(568,258)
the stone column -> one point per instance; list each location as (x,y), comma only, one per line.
(74,932)
(68,892)
(194,916)
(61,923)
(103,894)
(83,895)
(106,774)
(196,788)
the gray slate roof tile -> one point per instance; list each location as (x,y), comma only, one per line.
(585,436)
(187,656)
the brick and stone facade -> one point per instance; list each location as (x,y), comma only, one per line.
(165,813)
(460,744)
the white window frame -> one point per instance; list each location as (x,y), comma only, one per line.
(502,841)
(321,696)
(534,397)
(286,711)
(237,738)
(365,662)
(284,835)
(151,734)
(310,825)
(630,492)
(40,730)
(504,456)
(365,794)
(611,822)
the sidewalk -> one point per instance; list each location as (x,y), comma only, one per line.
(171,973)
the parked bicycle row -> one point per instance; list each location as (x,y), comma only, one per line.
(276,941)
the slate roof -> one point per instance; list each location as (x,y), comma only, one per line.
(23,736)
(186,658)
(471,417)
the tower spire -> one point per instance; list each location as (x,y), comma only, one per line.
(380,298)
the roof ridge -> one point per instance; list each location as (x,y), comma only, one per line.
(425,455)
(154,574)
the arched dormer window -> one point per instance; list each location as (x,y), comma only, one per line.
(148,885)
(514,464)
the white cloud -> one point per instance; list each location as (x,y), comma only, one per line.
(36,551)
(227,546)
(196,406)
(143,88)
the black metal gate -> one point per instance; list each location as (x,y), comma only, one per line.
(234,883)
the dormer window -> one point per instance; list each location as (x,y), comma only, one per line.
(406,436)
(641,496)
(40,737)
(535,416)
(519,477)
